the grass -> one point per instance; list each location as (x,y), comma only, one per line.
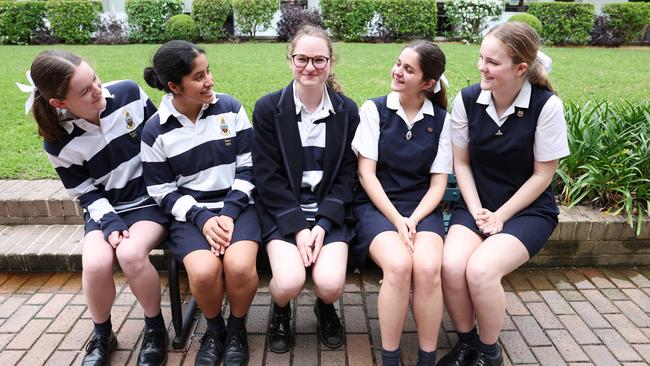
(250,70)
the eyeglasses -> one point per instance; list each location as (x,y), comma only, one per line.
(300,60)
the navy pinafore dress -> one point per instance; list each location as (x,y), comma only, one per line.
(403,169)
(502,160)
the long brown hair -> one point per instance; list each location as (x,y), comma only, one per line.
(314,31)
(432,64)
(522,42)
(51,72)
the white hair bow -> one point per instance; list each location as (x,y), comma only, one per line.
(545,61)
(31,89)
(443,79)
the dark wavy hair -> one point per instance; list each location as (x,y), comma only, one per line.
(172,61)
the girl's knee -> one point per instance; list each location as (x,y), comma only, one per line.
(131,257)
(288,286)
(98,267)
(481,273)
(398,268)
(329,289)
(240,270)
(428,271)
(204,276)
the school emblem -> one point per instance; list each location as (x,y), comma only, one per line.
(130,124)
(520,113)
(224,127)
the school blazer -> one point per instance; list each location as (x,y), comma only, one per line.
(278,162)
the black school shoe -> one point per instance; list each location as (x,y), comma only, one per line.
(278,333)
(99,349)
(236,352)
(211,350)
(483,359)
(153,351)
(330,330)
(461,355)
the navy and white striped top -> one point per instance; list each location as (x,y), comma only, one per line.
(193,169)
(100,165)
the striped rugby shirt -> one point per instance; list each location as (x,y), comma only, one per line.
(193,169)
(100,165)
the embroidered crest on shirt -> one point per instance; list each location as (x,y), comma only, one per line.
(498,133)
(130,124)
(224,127)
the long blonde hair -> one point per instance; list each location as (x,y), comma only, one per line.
(522,42)
(313,31)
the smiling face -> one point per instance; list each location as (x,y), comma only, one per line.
(84,98)
(498,72)
(195,88)
(407,74)
(310,47)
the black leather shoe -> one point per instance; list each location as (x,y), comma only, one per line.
(461,355)
(153,351)
(211,350)
(330,330)
(236,353)
(484,360)
(99,349)
(278,333)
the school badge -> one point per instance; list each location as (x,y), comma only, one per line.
(130,124)
(520,113)
(224,127)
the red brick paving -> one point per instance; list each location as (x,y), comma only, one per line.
(589,316)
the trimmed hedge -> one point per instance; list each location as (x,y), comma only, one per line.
(408,18)
(529,19)
(181,26)
(252,15)
(148,18)
(348,19)
(73,21)
(210,17)
(19,20)
(631,19)
(564,22)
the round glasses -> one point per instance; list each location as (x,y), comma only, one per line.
(300,60)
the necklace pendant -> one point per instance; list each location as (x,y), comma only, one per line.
(409,135)
(498,133)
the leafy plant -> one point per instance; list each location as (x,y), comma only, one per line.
(604,34)
(470,17)
(631,19)
(110,30)
(609,165)
(402,19)
(181,26)
(73,21)
(19,20)
(147,18)
(293,17)
(253,15)
(564,22)
(210,17)
(348,20)
(529,19)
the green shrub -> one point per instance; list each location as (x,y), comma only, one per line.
(73,21)
(408,18)
(19,20)
(253,15)
(210,17)
(348,19)
(529,19)
(147,18)
(469,18)
(564,22)
(609,165)
(630,18)
(181,26)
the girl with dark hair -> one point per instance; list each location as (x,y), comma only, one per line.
(92,138)
(196,154)
(305,172)
(404,153)
(508,134)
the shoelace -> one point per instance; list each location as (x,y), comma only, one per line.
(95,342)
(235,339)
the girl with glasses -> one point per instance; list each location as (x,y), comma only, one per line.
(305,173)
(404,152)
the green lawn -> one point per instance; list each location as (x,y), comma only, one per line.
(250,70)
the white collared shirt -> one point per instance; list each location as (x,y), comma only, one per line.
(551,141)
(167,109)
(366,139)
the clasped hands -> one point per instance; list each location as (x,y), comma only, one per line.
(488,222)
(309,243)
(218,232)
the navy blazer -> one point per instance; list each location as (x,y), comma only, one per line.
(278,162)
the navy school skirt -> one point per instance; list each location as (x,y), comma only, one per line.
(371,222)
(150,213)
(532,230)
(187,238)
(343,233)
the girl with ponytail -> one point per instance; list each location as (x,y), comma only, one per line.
(508,133)
(92,138)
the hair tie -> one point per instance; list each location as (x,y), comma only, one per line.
(545,61)
(31,89)
(443,80)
